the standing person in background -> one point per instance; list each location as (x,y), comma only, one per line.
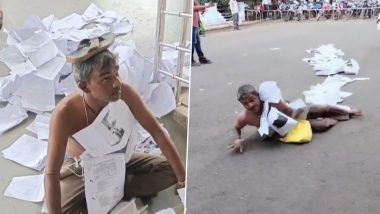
(196,42)
(1,19)
(235,13)
(267,6)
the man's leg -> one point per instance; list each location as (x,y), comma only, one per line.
(193,41)
(235,19)
(198,48)
(323,117)
(73,199)
(148,175)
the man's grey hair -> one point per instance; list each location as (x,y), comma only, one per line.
(82,70)
(245,90)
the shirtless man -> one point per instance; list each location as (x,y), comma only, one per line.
(321,118)
(146,175)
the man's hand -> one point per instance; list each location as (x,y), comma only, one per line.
(180,184)
(211,4)
(237,146)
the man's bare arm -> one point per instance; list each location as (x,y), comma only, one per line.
(56,151)
(201,8)
(147,120)
(284,108)
(240,124)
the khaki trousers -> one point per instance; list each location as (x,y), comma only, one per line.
(146,175)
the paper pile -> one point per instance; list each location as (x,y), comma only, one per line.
(27,151)
(329,92)
(35,56)
(27,188)
(327,61)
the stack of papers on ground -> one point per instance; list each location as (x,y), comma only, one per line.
(27,188)
(329,92)
(27,151)
(162,100)
(35,56)
(327,61)
(40,126)
(10,116)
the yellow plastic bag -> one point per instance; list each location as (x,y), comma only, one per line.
(300,133)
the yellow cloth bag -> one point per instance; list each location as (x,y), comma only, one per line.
(300,133)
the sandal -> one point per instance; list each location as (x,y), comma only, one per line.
(90,47)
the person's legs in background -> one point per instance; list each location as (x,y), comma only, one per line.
(193,42)
(235,19)
(197,46)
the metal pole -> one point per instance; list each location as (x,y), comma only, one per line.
(160,28)
(174,76)
(181,54)
(176,47)
(180,14)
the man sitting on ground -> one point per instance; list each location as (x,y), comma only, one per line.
(96,72)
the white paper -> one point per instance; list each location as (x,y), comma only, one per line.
(8,85)
(27,188)
(123,27)
(327,61)
(269,91)
(44,54)
(66,84)
(10,116)
(48,21)
(162,100)
(181,193)
(51,69)
(37,94)
(280,122)
(44,208)
(329,92)
(23,69)
(27,151)
(12,56)
(40,126)
(125,207)
(104,182)
(92,13)
(297,104)
(74,20)
(144,141)
(166,211)
(109,132)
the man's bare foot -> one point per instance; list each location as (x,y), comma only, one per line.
(354,112)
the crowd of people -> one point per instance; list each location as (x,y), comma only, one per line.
(304,9)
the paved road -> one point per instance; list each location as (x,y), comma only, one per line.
(337,173)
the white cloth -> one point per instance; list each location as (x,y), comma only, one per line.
(234,6)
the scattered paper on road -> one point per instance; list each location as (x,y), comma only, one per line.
(10,116)
(27,188)
(27,151)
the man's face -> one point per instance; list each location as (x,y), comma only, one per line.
(251,102)
(105,84)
